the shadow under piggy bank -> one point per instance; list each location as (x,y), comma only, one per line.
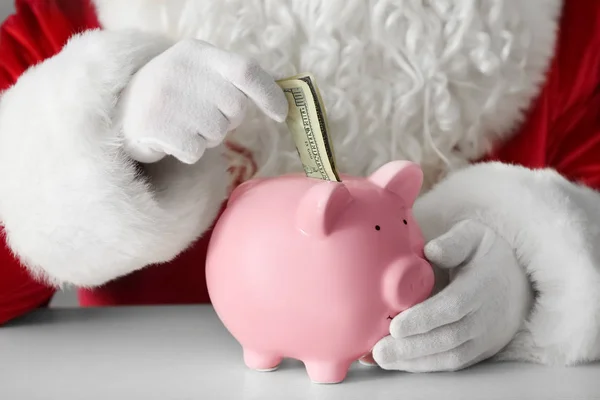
(315,270)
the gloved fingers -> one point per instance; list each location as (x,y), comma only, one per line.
(439,340)
(187,99)
(456,246)
(211,117)
(188,150)
(388,357)
(178,135)
(143,152)
(450,305)
(256,83)
(185,129)
(202,97)
(233,104)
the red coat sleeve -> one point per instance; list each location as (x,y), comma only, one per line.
(36,31)
(562,130)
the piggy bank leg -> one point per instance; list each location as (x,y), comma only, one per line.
(327,372)
(260,361)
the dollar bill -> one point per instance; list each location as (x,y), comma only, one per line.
(307,122)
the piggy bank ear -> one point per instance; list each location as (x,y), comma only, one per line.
(320,208)
(403,178)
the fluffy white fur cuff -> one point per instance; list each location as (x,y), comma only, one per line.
(75,208)
(553,226)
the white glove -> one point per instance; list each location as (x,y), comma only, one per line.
(473,318)
(188,98)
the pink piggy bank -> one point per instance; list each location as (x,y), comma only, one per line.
(315,270)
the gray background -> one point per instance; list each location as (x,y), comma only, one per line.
(6,6)
(67,297)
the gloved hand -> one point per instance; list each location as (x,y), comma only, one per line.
(473,318)
(188,98)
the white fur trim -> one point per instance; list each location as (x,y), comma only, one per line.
(74,207)
(432,82)
(552,225)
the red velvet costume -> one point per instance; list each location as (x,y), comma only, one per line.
(562,131)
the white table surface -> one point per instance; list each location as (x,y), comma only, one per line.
(168,353)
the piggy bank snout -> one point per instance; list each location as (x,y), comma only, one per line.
(407,282)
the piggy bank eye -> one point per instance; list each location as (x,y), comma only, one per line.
(405,223)
(377,227)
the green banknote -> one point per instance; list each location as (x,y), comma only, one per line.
(307,122)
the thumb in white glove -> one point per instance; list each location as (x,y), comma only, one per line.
(188,98)
(473,318)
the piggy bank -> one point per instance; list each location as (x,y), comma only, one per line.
(315,270)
